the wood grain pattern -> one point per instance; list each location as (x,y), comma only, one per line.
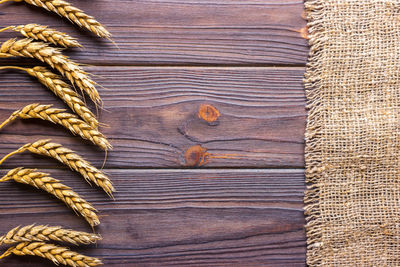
(178,218)
(153,116)
(162,32)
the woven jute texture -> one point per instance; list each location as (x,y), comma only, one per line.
(353,133)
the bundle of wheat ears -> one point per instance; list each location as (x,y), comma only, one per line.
(38,42)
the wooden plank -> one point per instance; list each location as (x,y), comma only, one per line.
(183,32)
(177,217)
(153,114)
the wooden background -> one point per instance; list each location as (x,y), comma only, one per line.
(190,192)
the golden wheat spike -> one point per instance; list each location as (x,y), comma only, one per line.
(54,187)
(46,233)
(53,57)
(60,117)
(58,255)
(70,159)
(46,34)
(73,14)
(61,89)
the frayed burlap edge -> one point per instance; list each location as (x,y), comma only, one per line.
(313,156)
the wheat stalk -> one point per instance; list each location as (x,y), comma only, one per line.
(52,56)
(73,14)
(59,116)
(58,255)
(46,233)
(46,34)
(69,158)
(53,186)
(62,90)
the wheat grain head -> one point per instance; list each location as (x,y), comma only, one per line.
(58,255)
(61,89)
(70,159)
(53,57)
(60,117)
(54,187)
(73,14)
(46,233)
(46,34)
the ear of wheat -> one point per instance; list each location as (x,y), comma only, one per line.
(46,233)
(53,186)
(69,158)
(59,116)
(52,56)
(58,255)
(73,14)
(46,34)
(62,90)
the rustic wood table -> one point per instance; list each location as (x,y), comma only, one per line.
(192,190)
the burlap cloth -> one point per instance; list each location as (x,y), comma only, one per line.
(353,133)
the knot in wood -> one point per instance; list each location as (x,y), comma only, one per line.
(195,156)
(208,113)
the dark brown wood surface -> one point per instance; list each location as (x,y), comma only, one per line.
(191,191)
(256,32)
(179,217)
(153,116)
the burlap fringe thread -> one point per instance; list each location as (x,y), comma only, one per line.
(312,81)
